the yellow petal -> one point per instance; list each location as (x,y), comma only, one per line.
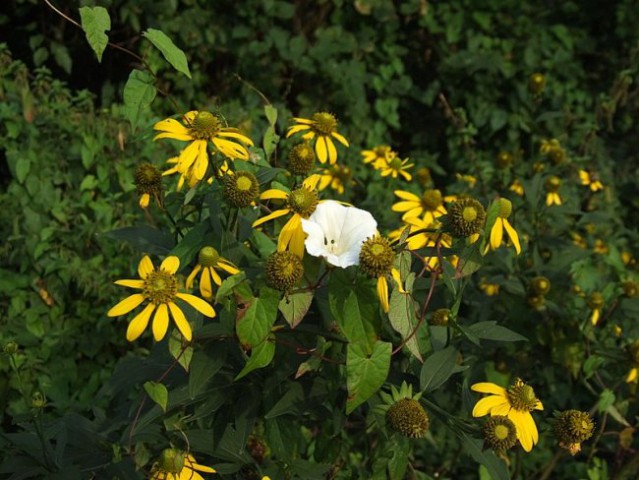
(271,216)
(398,280)
(526,429)
(512,234)
(189,154)
(126,305)
(216,279)
(200,305)
(181,322)
(296,128)
(287,232)
(201,163)
(160,322)
(405,206)
(594,319)
(340,138)
(172,126)
(237,136)
(144,200)
(496,234)
(501,409)
(205,284)
(487,404)
(332,151)
(632,375)
(139,323)
(273,193)
(170,264)
(382,293)
(487,387)
(411,197)
(297,241)
(228,267)
(320,149)
(191,278)
(145,267)
(231,149)
(130,283)
(174,136)
(202,468)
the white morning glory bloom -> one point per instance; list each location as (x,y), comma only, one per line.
(336,232)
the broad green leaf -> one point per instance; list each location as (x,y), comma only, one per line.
(294,307)
(139,93)
(191,244)
(271,114)
(489,330)
(347,311)
(438,368)
(270,141)
(228,284)
(260,357)
(289,402)
(496,467)
(204,367)
(171,53)
(365,373)
(95,21)
(23,167)
(144,238)
(158,393)
(254,322)
(403,319)
(179,351)
(606,400)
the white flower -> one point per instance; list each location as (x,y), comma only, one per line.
(336,232)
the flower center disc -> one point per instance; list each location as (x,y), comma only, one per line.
(244,184)
(303,201)
(501,432)
(522,397)
(396,163)
(205,125)
(432,200)
(469,214)
(160,287)
(324,123)
(208,257)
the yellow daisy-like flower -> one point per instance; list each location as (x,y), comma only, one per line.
(517,187)
(301,202)
(633,352)
(397,167)
(430,204)
(199,128)
(490,289)
(596,302)
(176,465)
(591,180)
(552,185)
(322,126)
(379,156)
(376,260)
(159,289)
(468,179)
(336,177)
(501,224)
(209,261)
(516,403)
(423,234)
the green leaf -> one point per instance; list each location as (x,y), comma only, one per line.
(365,373)
(139,93)
(289,402)
(23,167)
(144,238)
(270,141)
(294,307)
(261,356)
(191,244)
(496,467)
(95,21)
(254,322)
(351,315)
(203,368)
(403,319)
(181,353)
(438,368)
(228,284)
(271,114)
(171,53)
(158,393)
(489,330)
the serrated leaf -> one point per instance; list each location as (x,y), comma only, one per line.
(261,356)
(365,373)
(158,393)
(438,368)
(228,284)
(294,307)
(254,322)
(171,53)
(139,93)
(403,319)
(95,22)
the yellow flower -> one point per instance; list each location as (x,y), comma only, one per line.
(517,187)
(397,167)
(199,128)
(468,179)
(490,289)
(633,352)
(423,234)
(301,202)
(516,403)
(552,185)
(553,150)
(379,156)
(322,125)
(376,260)
(209,261)
(178,466)
(591,180)
(501,224)
(159,289)
(337,177)
(430,204)
(596,302)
